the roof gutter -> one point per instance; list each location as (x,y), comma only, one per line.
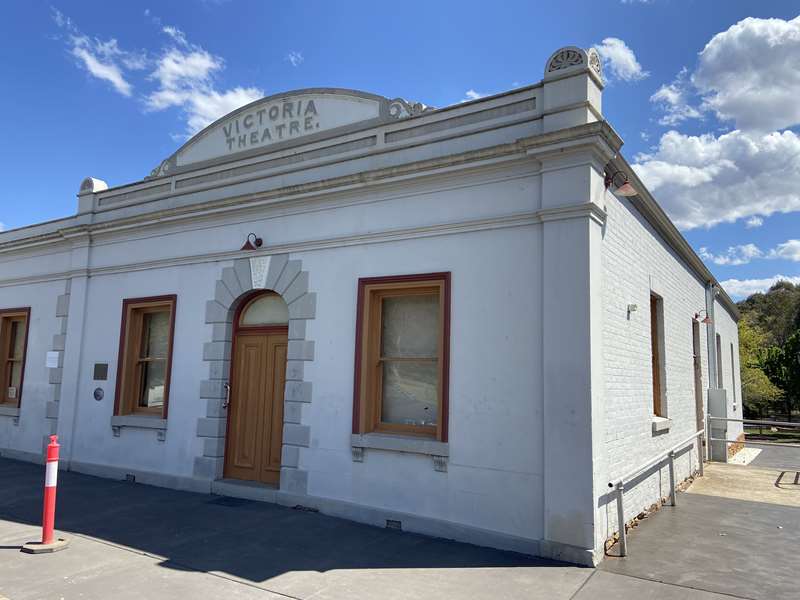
(656,216)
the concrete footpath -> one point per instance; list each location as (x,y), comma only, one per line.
(136,541)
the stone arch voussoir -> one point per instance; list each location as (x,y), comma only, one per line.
(285,276)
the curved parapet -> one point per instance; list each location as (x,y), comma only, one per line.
(281,120)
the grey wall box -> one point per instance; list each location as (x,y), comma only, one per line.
(100,371)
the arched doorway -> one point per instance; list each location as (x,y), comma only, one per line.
(257,380)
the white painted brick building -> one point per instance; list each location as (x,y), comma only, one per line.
(388,312)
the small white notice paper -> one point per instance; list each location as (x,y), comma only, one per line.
(52,360)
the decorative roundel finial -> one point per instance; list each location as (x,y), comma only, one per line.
(572,58)
(91,185)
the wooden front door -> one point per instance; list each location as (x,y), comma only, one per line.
(255,412)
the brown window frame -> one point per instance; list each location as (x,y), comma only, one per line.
(6,315)
(366,391)
(127,387)
(657,352)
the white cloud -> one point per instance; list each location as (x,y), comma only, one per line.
(741,288)
(745,253)
(705,180)
(2,226)
(102,70)
(750,74)
(184,73)
(620,60)
(176,34)
(295,58)
(673,100)
(471,94)
(733,256)
(788,250)
(104,60)
(185,79)
(753,222)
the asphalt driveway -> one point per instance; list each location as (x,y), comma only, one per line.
(136,541)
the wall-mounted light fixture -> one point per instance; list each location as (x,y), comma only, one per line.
(706,320)
(619,184)
(252,242)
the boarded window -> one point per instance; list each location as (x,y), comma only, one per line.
(402,355)
(13,343)
(145,356)
(657,353)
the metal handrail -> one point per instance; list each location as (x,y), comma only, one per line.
(711,438)
(756,422)
(619,483)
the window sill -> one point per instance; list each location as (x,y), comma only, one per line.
(661,424)
(9,410)
(139,422)
(439,451)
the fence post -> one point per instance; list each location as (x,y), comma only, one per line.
(672,477)
(623,538)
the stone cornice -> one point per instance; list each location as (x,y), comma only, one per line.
(585,210)
(598,136)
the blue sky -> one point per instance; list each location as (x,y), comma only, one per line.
(703,93)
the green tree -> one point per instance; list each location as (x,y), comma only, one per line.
(776,312)
(760,394)
(782,366)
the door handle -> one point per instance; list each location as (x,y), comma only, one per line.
(227,400)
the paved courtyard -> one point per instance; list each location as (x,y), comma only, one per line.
(136,541)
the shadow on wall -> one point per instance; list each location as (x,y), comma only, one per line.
(251,540)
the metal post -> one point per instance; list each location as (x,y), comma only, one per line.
(672,477)
(623,538)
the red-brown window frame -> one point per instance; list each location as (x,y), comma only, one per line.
(361,305)
(127,303)
(657,345)
(9,312)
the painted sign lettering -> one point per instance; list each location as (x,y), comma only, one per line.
(272,123)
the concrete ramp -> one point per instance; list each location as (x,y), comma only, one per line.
(755,484)
(734,533)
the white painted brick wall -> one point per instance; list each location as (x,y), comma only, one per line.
(635,261)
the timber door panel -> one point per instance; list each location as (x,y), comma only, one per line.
(255,420)
(275,424)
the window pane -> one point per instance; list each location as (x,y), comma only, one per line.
(266,310)
(155,334)
(410,326)
(15,375)
(153,383)
(17,338)
(410,393)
